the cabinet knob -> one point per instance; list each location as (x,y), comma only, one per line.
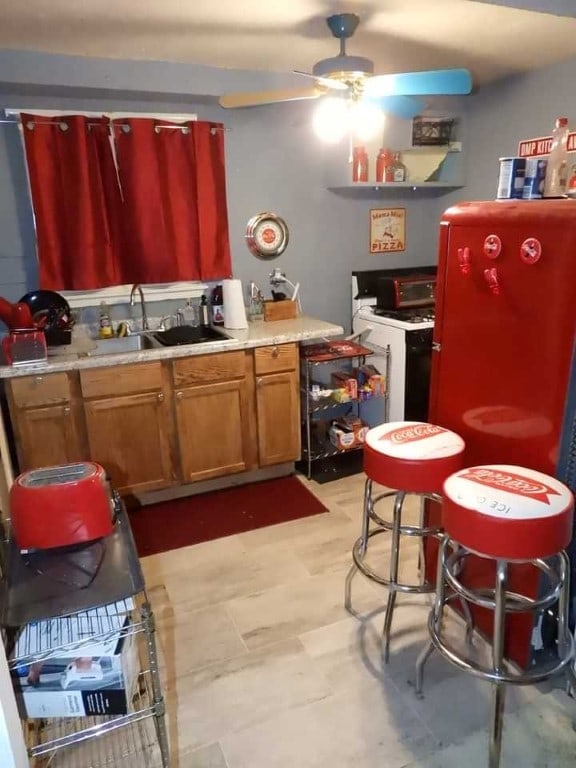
(67,410)
(259,381)
(179,395)
(39,379)
(160,397)
(275,352)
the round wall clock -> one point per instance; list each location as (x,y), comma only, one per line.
(266,235)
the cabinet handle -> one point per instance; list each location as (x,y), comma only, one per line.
(67,410)
(259,381)
(179,395)
(160,397)
(275,352)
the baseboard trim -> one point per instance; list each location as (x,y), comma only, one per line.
(217,484)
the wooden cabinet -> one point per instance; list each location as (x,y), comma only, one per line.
(156,424)
(213,408)
(47,420)
(128,424)
(277,403)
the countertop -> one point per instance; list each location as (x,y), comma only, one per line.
(258,334)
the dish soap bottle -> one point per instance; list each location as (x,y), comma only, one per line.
(104,322)
(204,311)
(557,167)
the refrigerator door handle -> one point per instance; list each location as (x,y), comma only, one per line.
(464,261)
(491,277)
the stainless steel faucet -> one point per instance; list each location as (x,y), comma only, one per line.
(138,288)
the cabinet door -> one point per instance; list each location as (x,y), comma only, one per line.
(213,430)
(46,436)
(129,436)
(278,408)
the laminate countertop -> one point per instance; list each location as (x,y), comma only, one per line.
(258,334)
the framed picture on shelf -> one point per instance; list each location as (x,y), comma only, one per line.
(387,230)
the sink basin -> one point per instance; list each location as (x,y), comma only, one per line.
(133,343)
(186,334)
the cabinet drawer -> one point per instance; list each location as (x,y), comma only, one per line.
(280,357)
(203,369)
(121,380)
(40,390)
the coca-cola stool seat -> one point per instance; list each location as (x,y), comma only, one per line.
(409,457)
(508,515)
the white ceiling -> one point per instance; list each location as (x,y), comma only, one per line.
(491,38)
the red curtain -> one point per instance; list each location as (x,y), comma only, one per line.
(76,200)
(174,187)
(159,216)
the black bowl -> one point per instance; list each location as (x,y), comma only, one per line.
(49,309)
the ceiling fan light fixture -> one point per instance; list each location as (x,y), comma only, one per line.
(366,120)
(331,119)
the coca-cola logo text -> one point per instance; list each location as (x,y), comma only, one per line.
(410,434)
(511,482)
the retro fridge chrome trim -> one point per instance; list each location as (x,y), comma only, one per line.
(504,344)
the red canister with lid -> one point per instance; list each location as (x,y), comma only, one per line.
(385,165)
(359,164)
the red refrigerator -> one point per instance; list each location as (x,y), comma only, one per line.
(503,356)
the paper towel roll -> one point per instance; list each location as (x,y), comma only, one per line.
(234,309)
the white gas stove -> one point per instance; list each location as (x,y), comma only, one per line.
(406,332)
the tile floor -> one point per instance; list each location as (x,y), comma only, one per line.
(263,667)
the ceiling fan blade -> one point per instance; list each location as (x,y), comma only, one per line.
(405,107)
(436,82)
(257,98)
(326,82)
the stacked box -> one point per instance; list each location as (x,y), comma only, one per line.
(96,678)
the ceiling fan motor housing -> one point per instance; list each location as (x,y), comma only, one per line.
(340,66)
(343,26)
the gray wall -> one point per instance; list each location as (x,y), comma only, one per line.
(274,163)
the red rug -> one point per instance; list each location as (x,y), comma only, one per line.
(179,523)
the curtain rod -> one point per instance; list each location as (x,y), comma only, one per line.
(124,126)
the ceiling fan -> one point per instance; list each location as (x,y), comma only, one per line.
(353,78)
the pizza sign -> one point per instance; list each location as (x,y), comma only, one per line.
(387,230)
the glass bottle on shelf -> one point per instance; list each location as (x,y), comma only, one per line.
(557,167)
(399,169)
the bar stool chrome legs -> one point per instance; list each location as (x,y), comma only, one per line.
(503,515)
(396,529)
(414,458)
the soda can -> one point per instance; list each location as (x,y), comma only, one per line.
(534,177)
(511,179)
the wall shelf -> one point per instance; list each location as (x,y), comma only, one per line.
(395,189)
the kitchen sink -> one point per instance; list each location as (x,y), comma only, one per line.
(133,343)
(181,334)
(186,334)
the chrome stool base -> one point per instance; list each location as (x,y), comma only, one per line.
(501,601)
(396,529)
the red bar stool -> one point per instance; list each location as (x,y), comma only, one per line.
(506,514)
(412,457)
